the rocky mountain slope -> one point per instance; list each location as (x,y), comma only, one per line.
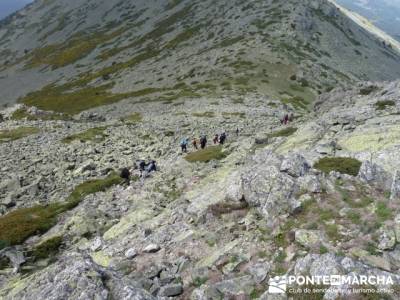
(318,196)
(61,51)
(207,225)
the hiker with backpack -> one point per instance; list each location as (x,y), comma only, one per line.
(222,138)
(151,167)
(184,143)
(125,175)
(216,139)
(142,167)
(203,141)
(194,143)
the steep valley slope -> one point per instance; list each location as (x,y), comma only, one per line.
(56,52)
(103,84)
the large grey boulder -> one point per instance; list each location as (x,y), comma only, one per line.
(374,174)
(295,165)
(395,188)
(266,187)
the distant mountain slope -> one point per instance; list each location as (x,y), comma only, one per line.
(363,22)
(384,14)
(69,56)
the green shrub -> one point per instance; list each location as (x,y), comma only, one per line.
(207,154)
(382,105)
(199,281)
(368,90)
(47,248)
(344,165)
(15,134)
(283,133)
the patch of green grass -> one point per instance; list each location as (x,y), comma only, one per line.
(207,114)
(207,154)
(91,135)
(280,240)
(22,113)
(20,224)
(283,133)
(344,165)
(383,211)
(323,249)
(382,105)
(47,248)
(18,133)
(133,118)
(333,232)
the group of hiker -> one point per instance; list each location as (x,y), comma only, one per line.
(202,141)
(144,168)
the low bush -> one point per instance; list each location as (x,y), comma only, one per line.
(47,248)
(344,165)
(368,90)
(207,154)
(382,105)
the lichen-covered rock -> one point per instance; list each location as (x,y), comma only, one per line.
(308,238)
(71,277)
(387,238)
